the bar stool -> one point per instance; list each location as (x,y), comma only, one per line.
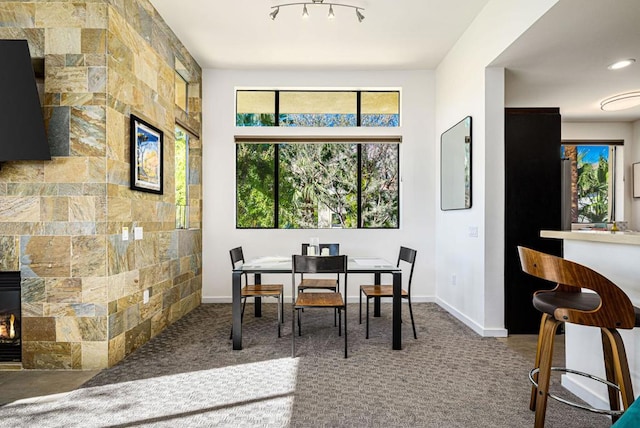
(608,308)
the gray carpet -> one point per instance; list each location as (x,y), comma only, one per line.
(188,376)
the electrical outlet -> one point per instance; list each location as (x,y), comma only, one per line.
(473,231)
(137,233)
(454,279)
(145,296)
(125,233)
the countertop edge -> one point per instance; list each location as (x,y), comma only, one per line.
(594,236)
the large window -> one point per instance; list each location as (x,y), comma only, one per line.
(592,181)
(317,182)
(317,185)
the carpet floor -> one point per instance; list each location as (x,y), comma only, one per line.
(188,376)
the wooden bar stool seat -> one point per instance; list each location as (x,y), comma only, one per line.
(607,308)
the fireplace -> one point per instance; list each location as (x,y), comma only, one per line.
(10,317)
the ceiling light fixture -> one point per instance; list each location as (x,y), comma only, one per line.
(621,64)
(305,12)
(621,101)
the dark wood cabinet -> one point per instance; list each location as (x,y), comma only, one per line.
(532,203)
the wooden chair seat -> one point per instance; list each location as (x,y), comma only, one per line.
(380,291)
(319,300)
(262,290)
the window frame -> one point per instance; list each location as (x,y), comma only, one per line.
(276,141)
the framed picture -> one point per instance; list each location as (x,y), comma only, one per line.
(146,156)
(636,180)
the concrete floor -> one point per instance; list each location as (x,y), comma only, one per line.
(20,385)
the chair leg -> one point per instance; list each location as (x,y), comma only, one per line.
(282,308)
(339,321)
(345,330)
(360,308)
(293,328)
(534,391)
(544,376)
(367,317)
(413,324)
(609,367)
(278,311)
(621,366)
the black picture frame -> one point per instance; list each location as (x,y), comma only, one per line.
(147,147)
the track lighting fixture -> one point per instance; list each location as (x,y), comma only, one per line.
(305,12)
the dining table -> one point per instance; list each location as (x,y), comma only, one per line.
(282,265)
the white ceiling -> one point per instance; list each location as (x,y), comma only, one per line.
(560,62)
(395,34)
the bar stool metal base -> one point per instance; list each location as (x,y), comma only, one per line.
(535,371)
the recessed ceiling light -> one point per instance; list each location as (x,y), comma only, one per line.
(621,64)
(621,101)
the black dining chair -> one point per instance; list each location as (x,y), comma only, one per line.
(320,283)
(257,290)
(408,258)
(313,299)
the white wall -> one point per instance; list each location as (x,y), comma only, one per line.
(417,163)
(611,131)
(633,156)
(464,86)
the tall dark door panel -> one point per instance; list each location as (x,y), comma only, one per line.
(532,204)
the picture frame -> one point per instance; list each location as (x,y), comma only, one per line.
(147,143)
(636,180)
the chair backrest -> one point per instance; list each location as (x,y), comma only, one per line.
(408,255)
(615,310)
(334,249)
(319,264)
(236,256)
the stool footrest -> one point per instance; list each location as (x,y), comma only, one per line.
(535,371)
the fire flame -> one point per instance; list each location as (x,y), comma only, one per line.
(12,331)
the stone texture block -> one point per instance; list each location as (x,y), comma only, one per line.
(38,329)
(48,356)
(46,256)
(116,349)
(93,41)
(95,355)
(19,209)
(64,290)
(60,14)
(88,257)
(9,254)
(88,132)
(62,41)
(54,208)
(33,290)
(137,336)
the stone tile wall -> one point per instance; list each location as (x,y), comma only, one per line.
(61,220)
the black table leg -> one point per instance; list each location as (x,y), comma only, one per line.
(397,310)
(236,309)
(257,301)
(376,300)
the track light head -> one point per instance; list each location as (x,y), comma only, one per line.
(359,15)
(305,12)
(274,13)
(331,14)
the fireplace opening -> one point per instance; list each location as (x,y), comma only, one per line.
(10,317)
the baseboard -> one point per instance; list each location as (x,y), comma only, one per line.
(482,331)
(287,299)
(591,397)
